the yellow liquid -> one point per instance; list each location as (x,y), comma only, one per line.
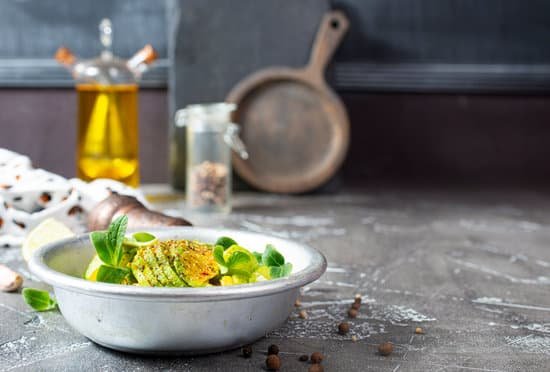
(108,133)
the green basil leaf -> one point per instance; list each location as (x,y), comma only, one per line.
(218,257)
(109,274)
(99,241)
(39,300)
(115,237)
(275,272)
(272,257)
(286,269)
(258,257)
(238,259)
(225,242)
(280,271)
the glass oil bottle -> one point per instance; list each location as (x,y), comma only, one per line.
(107,89)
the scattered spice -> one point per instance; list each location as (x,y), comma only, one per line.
(303,358)
(343,328)
(316,368)
(316,357)
(273,350)
(385,348)
(419,331)
(207,184)
(352,313)
(303,314)
(247,351)
(273,363)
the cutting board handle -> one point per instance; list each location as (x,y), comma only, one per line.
(331,31)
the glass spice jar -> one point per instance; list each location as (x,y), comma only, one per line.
(210,138)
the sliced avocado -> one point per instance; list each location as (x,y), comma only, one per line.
(153,264)
(173,278)
(192,261)
(147,271)
(137,267)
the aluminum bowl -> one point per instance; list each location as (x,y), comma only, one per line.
(174,320)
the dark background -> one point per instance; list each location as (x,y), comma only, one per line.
(438,91)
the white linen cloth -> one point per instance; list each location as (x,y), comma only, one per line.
(29,195)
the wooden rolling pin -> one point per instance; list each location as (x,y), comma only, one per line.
(139,216)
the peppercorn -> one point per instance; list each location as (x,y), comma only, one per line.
(303,358)
(316,368)
(273,363)
(247,351)
(273,350)
(316,357)
(419,331)
(343,328)
(385,348)
(352,313)
(356,305)
(303,314)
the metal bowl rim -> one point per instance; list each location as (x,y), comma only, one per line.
(310,273)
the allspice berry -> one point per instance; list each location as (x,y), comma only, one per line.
(316,357)
(385,348)
(316,368)
(303,358)
(273,350)
(343,328)
(352,313)
(273,363)
(247,351)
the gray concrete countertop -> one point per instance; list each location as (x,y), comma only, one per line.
(471,268)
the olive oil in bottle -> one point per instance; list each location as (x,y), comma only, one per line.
(107,145)
(107,89)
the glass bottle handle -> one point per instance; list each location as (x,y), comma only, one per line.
(232,138)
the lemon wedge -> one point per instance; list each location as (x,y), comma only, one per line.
(93,267)
(48,231)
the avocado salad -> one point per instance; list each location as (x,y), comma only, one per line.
(142,259)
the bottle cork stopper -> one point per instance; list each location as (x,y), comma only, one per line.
(65,56)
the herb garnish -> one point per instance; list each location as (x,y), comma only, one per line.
(108,245)
(235,260)
(38,299)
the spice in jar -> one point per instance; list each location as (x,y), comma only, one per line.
(207,184)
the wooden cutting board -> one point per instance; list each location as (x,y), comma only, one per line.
(294,126)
